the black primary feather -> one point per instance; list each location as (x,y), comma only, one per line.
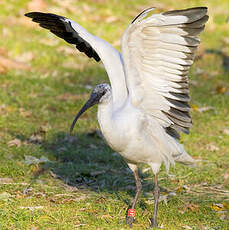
(63,29)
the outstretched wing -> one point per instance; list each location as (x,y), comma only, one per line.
(158,52)
(64,28)
(89,44)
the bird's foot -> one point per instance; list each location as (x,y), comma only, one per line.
(130,220)
(153,224)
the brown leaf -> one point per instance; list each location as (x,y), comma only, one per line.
(99,1)
(3,51)
(111,19)
(226,131)
(205,108)
(217,207)
(15,141)
(212,147)
(32,208)
(192,207)
(3,69)
(187,227)
(201,109)
(25,113)
(50,42)
(6,64)
(25,57)
(67,50)
(37,5)
(4,109)
(221,89)
(87,8)
(75,97)
(6,180)
(226,176)
(226,205)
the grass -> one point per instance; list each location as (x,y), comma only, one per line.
(85,185)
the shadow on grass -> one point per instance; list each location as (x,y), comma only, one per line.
(224,57)
(85,161)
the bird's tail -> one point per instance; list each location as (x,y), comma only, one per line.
(184,158)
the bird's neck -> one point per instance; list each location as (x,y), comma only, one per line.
(118,81)
(105,115)
(114,66)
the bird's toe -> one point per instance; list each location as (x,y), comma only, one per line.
(130,220)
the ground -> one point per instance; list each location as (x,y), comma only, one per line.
(50,180)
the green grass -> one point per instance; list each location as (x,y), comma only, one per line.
(85,185)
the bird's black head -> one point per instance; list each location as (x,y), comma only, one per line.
(100,94)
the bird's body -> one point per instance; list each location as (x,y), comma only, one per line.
(146,107)
(129,131)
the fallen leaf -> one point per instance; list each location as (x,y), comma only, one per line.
(35,138)
(106,216)
(3,51)
(7,64)
(67,5)
(99,1)
(116,43)
(25,57)
(32,208)
(224,216)
(25,113)
(15,141)
(226,176)
(226,40)
(221,89)
(74,97)
(180,189)
(201,109)
(226,205)
(5,196)
(204,109)
(195,107)
(187,227)
(5,109)
(217,207)
(192,207)
(64,96)
(29,160)
(3,69)
(226,131)
(111,19)
(6,180)
(212,147)
(49,42)
(67,50)
(199,70)
(87,8)
(37,5)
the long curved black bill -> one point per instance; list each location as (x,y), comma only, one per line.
(92,101)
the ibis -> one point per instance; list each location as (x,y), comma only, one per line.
(146,107)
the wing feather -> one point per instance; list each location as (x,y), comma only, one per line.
(62,27)
(92,46)
(158,52)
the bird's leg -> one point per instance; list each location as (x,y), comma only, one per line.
(131,212)
(156,193)
(138,188)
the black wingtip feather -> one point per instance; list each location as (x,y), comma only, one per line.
(202,9)
(63,29)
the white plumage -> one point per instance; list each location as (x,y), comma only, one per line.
(146,107)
